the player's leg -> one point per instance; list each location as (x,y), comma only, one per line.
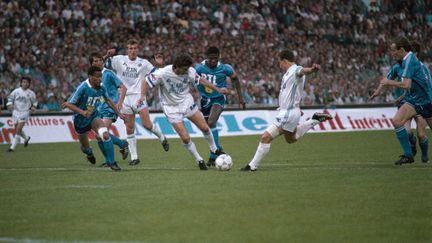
(423,139)
(16,139)
(303,128)
(213,117)
(129,122)
(197,118)
(122,144)
(263,148)
(181,130)
(405,112)
(99,127)
(149,125)
(85,147)
(412,138)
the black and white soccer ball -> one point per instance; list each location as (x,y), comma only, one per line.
(223,162)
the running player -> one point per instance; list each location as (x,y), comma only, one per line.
(20,102)
(212,103)
(287,121)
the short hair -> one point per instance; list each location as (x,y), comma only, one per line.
(25,78)
(183,60)
(132,42)
(402,42)
(93,70)
(287,55)
(415,46)
(212,50)
(94,55)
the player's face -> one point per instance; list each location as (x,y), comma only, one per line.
(395,53)
(97,62)
(132,51)
(181,70)
(25,84)
(283,64)
(212,60)
(95,80)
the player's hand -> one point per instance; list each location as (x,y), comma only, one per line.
(141,101)
(384,81)
(33,109)
(121,116)
(119,105)
(372,96)
(316,67)
(301,113)
(222,90)
(86,114)
(111,52)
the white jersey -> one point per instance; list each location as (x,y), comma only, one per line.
(22,100)
(131,73)
(291,88)
(173,89)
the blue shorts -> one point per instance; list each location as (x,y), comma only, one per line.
(424,110)
(82,124)
(108,113)
(207,103)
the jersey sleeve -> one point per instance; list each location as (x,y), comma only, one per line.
(11,98)
(153,79)
(298,70)
(409,68)
(229,70)
(74,99)
(113,63)
(115,80)
(33,99)
(149,68)
(194,77)
(391,74)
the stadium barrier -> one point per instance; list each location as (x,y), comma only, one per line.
(48,128)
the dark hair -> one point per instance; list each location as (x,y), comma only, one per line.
(93,70)
(287,55)
(415,46)
(212,50)
(183,60)
(26,78)
(94,55)
(132,42)
(402,42)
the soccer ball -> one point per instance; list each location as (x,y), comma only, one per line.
(223,162)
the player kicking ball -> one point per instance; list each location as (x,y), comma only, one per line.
(287,121)
(84,102)
(177,102)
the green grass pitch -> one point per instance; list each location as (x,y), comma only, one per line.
(338,187)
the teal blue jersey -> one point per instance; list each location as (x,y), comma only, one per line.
(87,98)
(420,92)
(111,83)
(217,76)
(427,73)
(395,73)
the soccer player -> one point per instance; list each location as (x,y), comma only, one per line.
(212,103)
(84,103)
(395,73)
(289,109)
(131,70)
(20,102)
(111,83)
(174,91)
(416,80)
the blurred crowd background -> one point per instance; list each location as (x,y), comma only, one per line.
(50,42)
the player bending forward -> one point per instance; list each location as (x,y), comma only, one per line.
(177,102)
(287,121)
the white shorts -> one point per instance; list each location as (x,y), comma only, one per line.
(288,119)
(176,113)
(20,116)
(130,105)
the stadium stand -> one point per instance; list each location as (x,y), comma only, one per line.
(50,41)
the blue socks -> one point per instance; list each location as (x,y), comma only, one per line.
(402,135)
(117,141)
(87,151)
(424,145)
(215,133)
(109,151)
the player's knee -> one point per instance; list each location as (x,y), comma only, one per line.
(397,122)
(185,139)
(212,123)
(103,133)
(266,137)
(290,140)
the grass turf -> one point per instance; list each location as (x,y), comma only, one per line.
(338,187)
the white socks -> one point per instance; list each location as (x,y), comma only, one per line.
(23,135)
(132,146)
(210,140)
(261,152)
(193,151)
(156,131)
(15,141)
(303,128)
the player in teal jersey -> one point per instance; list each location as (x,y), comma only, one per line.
(418,95)
(212,102)
(111,83)
(84,102)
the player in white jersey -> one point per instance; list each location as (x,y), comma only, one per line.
(20,102)
(287,120)
(174,91)
(131,70)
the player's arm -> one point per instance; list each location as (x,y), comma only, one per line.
(405,84)
(112,105)
(376,92)
(399,99)
(235,80)
(109,53)
(144,88)
(308,70)
(11,100)
(33,102)
(121,96)
(208,84)
(75,109)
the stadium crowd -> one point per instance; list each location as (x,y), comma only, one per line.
(50,41)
